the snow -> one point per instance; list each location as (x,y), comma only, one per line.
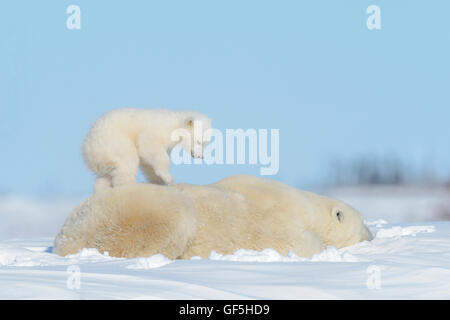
(407,261)
(406,231)
(155,261)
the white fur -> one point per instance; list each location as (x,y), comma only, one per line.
(123,139)
(182,221)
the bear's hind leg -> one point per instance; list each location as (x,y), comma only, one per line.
(125,172)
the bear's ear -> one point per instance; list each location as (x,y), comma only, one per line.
(189,122)
(338,214)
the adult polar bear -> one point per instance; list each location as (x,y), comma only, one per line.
(183,221)
(123,139)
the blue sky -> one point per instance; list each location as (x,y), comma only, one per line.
(335,89)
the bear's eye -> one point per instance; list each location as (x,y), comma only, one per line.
(339,216)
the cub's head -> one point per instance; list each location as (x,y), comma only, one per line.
(197,135)
(342,225)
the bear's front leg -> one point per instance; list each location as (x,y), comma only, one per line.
(155,166)
(155,160)
(307,243)
(161,165)
(149,173)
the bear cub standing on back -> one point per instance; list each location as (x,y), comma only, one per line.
(122,140)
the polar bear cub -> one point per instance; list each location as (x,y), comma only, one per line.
(124,139)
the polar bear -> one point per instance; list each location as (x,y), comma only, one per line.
(123,139)
(182,221)
(130,221)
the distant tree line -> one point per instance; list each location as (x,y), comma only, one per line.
(376,170)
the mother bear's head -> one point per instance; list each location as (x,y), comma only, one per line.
(341,225)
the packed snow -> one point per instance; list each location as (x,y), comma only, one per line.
(404,261)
